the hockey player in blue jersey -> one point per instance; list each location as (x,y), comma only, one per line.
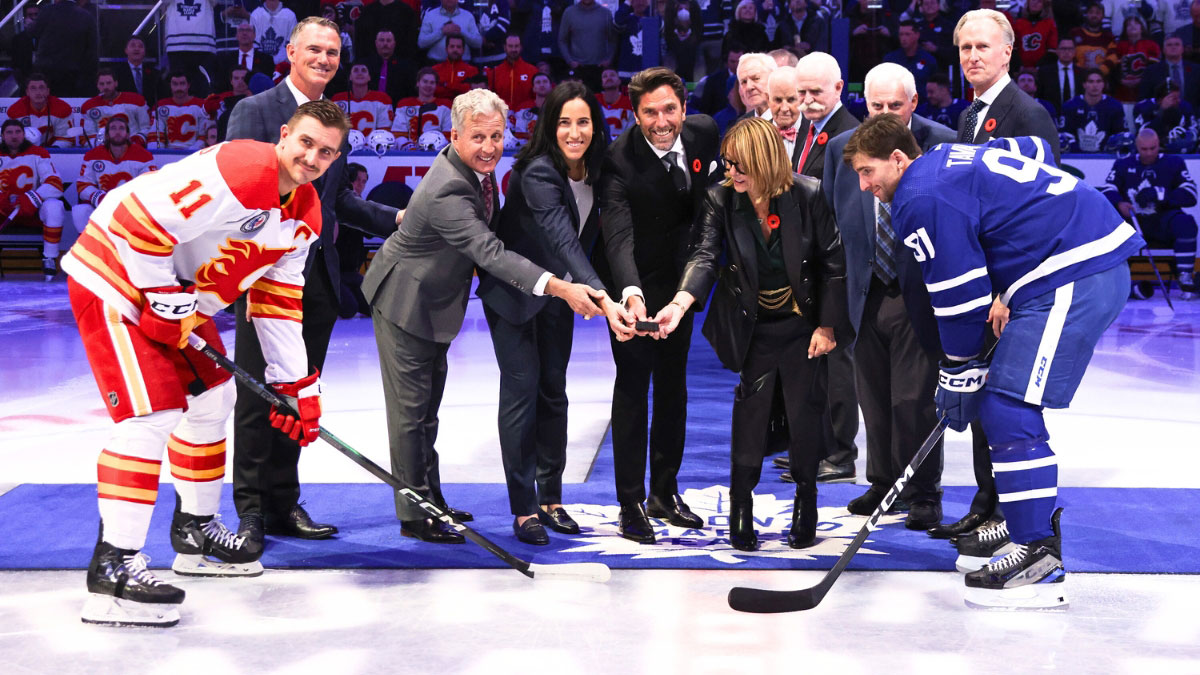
(1156,188)
(1173,119)
(939,106)
(1093,117)
(994,218)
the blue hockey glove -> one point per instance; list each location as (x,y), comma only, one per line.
(959,387)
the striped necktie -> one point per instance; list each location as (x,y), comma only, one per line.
(884,263)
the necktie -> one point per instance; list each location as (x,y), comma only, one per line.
(383,76)
(807,144)
(1177,74)
(972,119)
(246,60)
(884,263)
(1066,85)
(488,197)
(788,134)
(678,177)
(137,78)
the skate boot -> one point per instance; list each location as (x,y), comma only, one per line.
(125,593)
(978,548)
(1187,284)
(1030,577)
(49,268)
(206,548)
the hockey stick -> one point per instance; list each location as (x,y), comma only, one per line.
(581,571)
(763,601)
(1150,259)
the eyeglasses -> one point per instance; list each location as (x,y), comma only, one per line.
(731,164)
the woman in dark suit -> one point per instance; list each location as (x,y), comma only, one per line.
(550,216)
(779,301)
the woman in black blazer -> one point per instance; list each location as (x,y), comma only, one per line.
(550,216)
(780,298)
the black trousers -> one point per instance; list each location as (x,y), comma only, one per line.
(778,353)
(986,500)
(532,417)
(265,478)
(639,361)
(896,382)
(840,415)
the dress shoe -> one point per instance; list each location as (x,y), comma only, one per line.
(865,504)
(457,514)
(782,462)
(961,526)
(674,510)
(924,514)
(741,525)
(634,525)
(298,524)
(530,532)
(558,520)
(250,528)
(786,477)
(804,522)
(431,531)
(834,473)
(899,505)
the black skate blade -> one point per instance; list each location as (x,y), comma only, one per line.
(763,601)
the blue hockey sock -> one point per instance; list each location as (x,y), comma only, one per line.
(1025,467)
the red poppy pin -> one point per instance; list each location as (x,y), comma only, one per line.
(773,221)
(822,138)
(696,166)
(990,125)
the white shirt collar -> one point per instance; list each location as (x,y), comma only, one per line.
(300,98)
(989,96)
(677,147)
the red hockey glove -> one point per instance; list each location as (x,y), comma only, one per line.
(169,314)
(304,397)
(28,203)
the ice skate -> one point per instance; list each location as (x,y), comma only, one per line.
(206,548)
(1030,577)
(125,593)
(983,545)
(49,268)
(1187,284)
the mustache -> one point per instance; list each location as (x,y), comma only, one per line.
(812,107)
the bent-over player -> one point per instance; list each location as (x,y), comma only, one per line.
(160,255)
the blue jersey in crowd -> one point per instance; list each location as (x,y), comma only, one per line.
(1171,123)
(1167,176)
(948,116)
(1092,125)
(994,218)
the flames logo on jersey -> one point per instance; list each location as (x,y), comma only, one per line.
(181,128)
(241,260)
(109,181)
(1031,42)
(10,179)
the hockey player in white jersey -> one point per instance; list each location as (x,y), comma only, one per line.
(31,191)
(162,254)
(990,218)
(115,163)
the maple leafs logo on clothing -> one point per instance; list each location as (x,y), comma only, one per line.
(635,44)
(188,9)
(270,42)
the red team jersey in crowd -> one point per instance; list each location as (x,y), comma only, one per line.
(215,218)
(100,173)
(522,119)
(97,110)
(371,112)
(29,170)
(512,82)
(452,78)
(180,126)
(619,115)
(414,118)
(53,121)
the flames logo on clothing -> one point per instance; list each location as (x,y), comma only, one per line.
(240,260)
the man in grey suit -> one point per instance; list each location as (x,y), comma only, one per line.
(897,349)
(418,286)
(266,486)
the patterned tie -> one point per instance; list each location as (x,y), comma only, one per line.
(137,78)
(807,145)
(678,177)
(1177,74)
(972,119)
(789,134)
(884,263)
(488,197)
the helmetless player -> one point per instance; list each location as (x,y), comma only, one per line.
(160,255)
(990,218)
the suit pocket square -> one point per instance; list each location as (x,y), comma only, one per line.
(712,168)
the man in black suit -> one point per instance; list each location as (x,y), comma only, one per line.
(654,178)
(266,487)
(897,347)
(135,75)
(1184,73)
(24,45)
(1062,80)
(390,74)
(245,56)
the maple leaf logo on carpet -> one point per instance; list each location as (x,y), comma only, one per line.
(772,519)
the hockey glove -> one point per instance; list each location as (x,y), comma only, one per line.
(304,397)
(959,387)
(169,314)
(1147,197)
(97,196)
(28,202)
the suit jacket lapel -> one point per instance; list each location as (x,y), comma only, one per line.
(996,111)
(790,220)
(740,222)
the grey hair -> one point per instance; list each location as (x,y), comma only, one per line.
(888,73)
(476,102)
(1006,29)
(781,73)
(822,65)
(764,60)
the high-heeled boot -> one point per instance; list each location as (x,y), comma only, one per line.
(804,521)
(741,507)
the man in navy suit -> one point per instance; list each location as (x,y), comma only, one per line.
(1173,66)
(897,349)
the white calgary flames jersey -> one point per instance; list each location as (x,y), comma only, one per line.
(371,112)
(414,118)
(522,120)
(100,173)
(30,170)
(214,218)
(619,115)
(180,127)
(53,121)
(97,110)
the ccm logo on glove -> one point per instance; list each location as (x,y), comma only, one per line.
(967,381)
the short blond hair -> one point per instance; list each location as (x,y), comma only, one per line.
(1006,29)
(759,151)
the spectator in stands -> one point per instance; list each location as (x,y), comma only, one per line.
(220,106)
(493,18)
(919,62)
(106,166)
(587,39)
(714,88)
(939,106)
(523,118)
(31,191)
(273,24)
(1190,34)
(50,115)
(1093,118)
(614,103)
(1171,118)
(1151,13)
(66,47)
(392,15)
(1132,52)
(389,73)
(744,29)
(872,34)
(1184,73)
(191,43)
(752,72)
(1092,40)
(1027,83)
(422,114)
(246,55)
(681,30)
(784,57)
(512,78)
(454,74)
(1062,80)
(24,45)
(1036,33)
(137,76)
(628,22)
(806,28)
(181,120)
(1178,16)
(448,19)
(540,38)
(937,31)
(733,110)
(97,110)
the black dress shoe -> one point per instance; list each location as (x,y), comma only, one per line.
(674,510)
(741,526)
(634,524)
(961,526)
(804,522)
(865,504)
(457,514)
(558,520)
(924,514)
(298,524)
(786,477)
(250,528)
(834,473)
(531,532)
(431,531)
(782,462)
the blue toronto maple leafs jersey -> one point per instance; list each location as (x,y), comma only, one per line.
(948,116)
(993,218)
(1167,176)
(1091,125)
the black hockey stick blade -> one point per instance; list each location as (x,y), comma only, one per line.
(581,571)
(764,601)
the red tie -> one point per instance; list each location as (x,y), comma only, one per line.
(807,145)
(488,195)
(788,134)
(246,60)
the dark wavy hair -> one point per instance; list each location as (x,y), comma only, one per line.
(544,140)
